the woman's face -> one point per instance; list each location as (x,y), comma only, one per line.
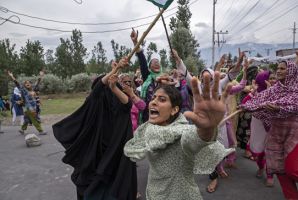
(281,71)
(154,65)
(27,85)
(272,79)
(126,80)
(160,108)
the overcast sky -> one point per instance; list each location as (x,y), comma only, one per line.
(229,16)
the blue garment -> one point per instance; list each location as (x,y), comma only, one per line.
(2,107)
(18,108)
(30,101)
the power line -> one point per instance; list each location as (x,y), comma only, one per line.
(6,10)
(226,13)
(246,14)
(261,26)
(276,18)
(69,31)
(80,23)
(258,17)
(239,13)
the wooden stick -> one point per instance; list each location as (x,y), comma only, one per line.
(145,33)
(228,117)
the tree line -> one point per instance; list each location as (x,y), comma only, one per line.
(71,57)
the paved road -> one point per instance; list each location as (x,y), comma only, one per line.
(34,174)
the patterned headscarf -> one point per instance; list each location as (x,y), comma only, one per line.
(260,80)
(283,95)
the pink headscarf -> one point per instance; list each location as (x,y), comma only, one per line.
(283,95)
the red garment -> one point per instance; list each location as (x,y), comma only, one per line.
(288,181)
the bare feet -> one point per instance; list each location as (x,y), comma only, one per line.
(212,186)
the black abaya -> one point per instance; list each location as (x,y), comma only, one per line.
(94,137)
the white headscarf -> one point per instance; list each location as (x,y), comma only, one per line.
(16,91)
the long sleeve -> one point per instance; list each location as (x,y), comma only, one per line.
(183,70)
(238,88)
(143,65)
(141,105)
(191,143)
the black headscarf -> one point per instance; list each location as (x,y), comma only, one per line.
(94,137)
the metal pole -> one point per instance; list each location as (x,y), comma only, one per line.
(294,33)
(213,32)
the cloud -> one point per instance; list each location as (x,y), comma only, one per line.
(202,25)
(17,34)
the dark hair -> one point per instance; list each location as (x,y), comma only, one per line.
(175,98)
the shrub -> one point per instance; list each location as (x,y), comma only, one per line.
(79,83)
(51,84)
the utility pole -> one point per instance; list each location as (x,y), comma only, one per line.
(294,33)
(213,32)
(220,41)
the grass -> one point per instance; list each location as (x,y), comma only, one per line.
(61,105)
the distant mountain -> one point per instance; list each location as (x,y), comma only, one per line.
(254,49)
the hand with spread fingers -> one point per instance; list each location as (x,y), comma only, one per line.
(209,109)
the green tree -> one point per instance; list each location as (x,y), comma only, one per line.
(183,16)
(78,52)
(119,50)
(182,39)
(98,62)
(164,58)
(63,59)
(70,56)
(49,61)
(31,58)
(8,60)
(152,48)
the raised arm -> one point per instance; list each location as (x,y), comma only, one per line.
(13,79)
(137,101)
(239,87)
(140,54)
(115,67)
(181,67)
(36,85)
(120,95)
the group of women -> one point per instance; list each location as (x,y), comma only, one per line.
(180,131)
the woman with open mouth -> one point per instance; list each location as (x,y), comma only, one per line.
(175,149)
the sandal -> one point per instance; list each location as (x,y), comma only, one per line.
(212,186)
(269,182)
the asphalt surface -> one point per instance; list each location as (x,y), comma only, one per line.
(37,173)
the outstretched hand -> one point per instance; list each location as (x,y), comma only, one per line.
(134,36)
(209,109)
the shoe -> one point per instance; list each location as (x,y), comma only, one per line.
(22,132)
(43,133)
(32,140)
